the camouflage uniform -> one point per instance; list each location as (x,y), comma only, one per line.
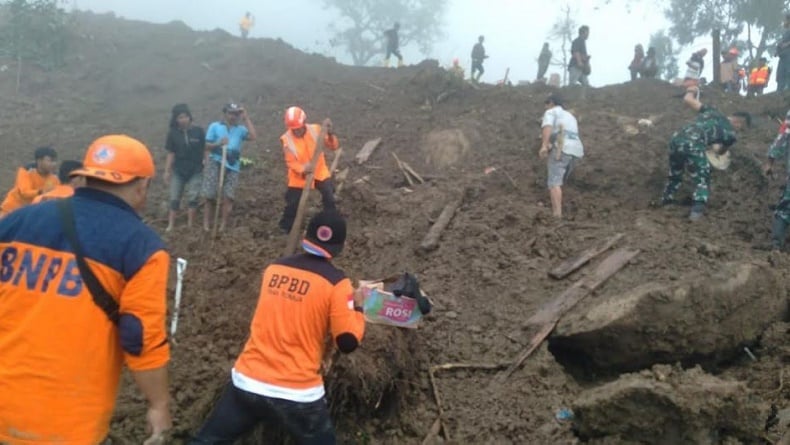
(779,150)
(687,150)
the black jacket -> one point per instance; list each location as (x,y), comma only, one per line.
(188,146)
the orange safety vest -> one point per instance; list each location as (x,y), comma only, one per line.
(29,184)
(299,151)
(759,76)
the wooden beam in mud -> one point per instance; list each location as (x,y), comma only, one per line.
(550,313)
(402,169)
(367,150)
(431,240)
(575,263)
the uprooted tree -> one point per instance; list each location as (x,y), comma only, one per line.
(360,31)
(34,30)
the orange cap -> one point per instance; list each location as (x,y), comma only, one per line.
(295,117)
(118,159)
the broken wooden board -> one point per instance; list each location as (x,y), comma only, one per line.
(431,240)
(550,314)
(402,169)
(367,150)
(573,264)
(411,171)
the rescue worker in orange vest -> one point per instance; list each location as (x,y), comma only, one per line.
(67,184)
(299,145)
(32,180)
(82,292)
(758,78)
(303,300)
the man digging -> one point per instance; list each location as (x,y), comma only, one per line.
(688,146)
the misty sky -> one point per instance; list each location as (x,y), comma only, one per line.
(514,29)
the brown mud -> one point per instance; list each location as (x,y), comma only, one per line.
(489,273)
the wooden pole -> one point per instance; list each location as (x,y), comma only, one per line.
(296,228)
(220,185)
(18,72)
(716,57)
(335,161)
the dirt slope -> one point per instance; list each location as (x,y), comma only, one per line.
(489,273)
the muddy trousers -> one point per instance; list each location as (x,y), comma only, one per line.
(292,196)
(781,218)
(683,155)
(238,412)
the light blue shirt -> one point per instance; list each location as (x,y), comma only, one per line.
(236,136)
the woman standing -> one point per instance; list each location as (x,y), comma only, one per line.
(186,144)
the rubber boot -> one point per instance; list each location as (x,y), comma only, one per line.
(778,233)
(386,63)
(697,210)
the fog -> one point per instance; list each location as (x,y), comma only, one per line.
(514,29)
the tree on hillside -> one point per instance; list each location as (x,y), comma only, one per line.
(35,30)
(363,22)
(564,30)
(666,55)
(695,18)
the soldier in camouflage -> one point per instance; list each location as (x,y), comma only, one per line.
(688,146)
(779,150)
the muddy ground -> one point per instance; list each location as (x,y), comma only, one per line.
(489,273)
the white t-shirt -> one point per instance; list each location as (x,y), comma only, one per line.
(556,116)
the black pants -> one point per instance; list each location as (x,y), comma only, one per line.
(394,51)
(542,68)
(238,411)
(477,65)
(292,196)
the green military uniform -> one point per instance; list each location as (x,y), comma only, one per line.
(779,150)
(687,150)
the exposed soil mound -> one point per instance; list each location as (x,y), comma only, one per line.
(488,273)
(702,320)
(667,405)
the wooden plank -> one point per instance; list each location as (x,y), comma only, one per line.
(573,264)
(403,170)
(340,180)
(338,153)
(550,314)
(431,240)
(367,150)
(411,171)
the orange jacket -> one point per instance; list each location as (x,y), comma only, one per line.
(759,76)
(299,151)
(303,298)
(60,355)
(59,192)
(29,184)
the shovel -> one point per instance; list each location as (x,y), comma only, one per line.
(181,267)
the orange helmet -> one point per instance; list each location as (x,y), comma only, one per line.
(118,159)
(295,117)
